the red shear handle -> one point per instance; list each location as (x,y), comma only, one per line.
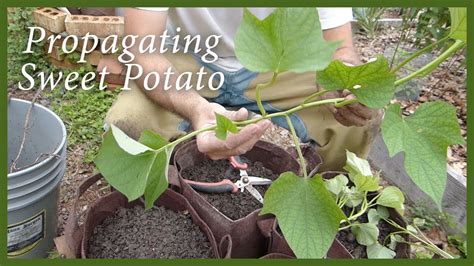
(237,162)
(219,187)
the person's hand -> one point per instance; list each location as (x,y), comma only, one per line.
(354,114)
(235,144)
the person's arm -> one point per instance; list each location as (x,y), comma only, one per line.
(143,23)
(346,51)
(353,114)
(189,104)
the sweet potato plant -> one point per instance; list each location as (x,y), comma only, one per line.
(309,209)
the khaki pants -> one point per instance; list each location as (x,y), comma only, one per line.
(133,112)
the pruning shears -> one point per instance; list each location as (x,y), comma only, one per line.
(245,182)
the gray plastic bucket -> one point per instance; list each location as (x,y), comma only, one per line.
(33,190)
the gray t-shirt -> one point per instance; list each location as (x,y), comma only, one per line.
(225,22)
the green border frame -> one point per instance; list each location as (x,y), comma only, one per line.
(214,3)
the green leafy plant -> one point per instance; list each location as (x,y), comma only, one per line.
(352,191)
(83,113)
(290,39)
(368,18)
(17,39)
(430,23)
(359,190)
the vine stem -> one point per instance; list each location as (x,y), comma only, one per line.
(297,145)
(255,120)
(363,209)
(346,102)
(314,95)
(258,98)
(458,44)
(418,53)
(403,35)
(425,241)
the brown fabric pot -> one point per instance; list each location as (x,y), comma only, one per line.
(278,245)
(276,256)
(74,243)
(247,241)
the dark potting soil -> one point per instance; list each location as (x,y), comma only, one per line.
(155,233)
(233,205)
(348,240)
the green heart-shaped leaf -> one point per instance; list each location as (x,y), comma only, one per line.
(424,138)
(392,197)
(224,125)
(366,183)
(372,83)
(377,251)
(135,168)
(336,185)
(289,39)
(458,23)
(355,165)
(307,213)
(366,234)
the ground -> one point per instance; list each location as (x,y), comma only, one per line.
(446,83)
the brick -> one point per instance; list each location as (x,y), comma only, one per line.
(48,33)
(80,43)
(113,87)
(70,42)
(50,19)
(94,57)
(56,52)
(65,64)
(101,26)
(114,67)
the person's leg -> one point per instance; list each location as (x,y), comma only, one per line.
(315,124)
(133,112)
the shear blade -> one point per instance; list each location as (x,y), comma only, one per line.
(259,181)
(254,193)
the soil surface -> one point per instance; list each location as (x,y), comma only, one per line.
(233,205)
(155,233)
(348,239)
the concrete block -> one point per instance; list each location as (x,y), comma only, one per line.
(50,19)
(101,26)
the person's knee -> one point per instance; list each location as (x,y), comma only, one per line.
(125,123)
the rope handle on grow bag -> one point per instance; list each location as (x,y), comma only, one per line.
(225,247)
(72,225)
(69,244)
